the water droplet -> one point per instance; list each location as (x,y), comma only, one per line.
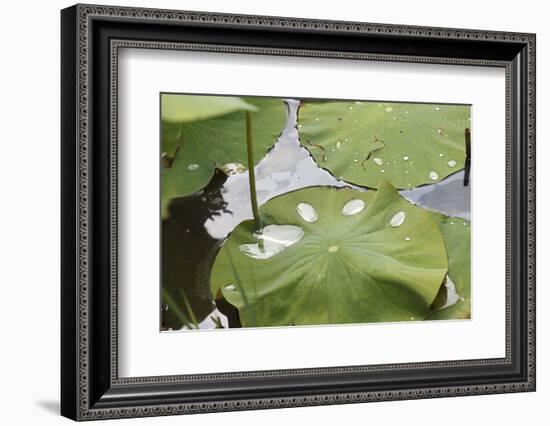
(412,318)
(441,155)
(230,287)
(350,107)
(378,161)
(316,118)
(353,207)
(231,169)
(333,249)
(338,144)
(307,212)
(398,219)
(355,160)
(274,239)
(407,238)
(439,131)
(406,112)
(406,172)
(451,163)
(193,167)
(382,171)
(433,175)
(406,158)
(437,108)
(388,109)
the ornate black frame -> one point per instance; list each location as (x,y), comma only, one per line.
(91,37)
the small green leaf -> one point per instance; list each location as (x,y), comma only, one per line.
(199,147)
(329,256)
(184,108)
(456,233)
(406,144)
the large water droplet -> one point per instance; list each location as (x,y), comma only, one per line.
(307,212)
(378,161)
(433,175)
(353,207)
(398,219)
(388,109)
(193,167)
(273,240)
(406,158)
(333,249)
(230,287)
(451,163)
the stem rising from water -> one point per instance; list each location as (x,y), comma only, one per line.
(251,176)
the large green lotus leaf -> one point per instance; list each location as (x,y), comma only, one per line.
(456,233)
(370,266)
(406,144)
(205,145)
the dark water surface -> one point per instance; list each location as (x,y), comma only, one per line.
(199,223)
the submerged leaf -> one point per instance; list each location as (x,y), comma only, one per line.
(406,144)
(352,264)
(199,147)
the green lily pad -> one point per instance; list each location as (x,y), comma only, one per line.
(384,262)
(406,144)
(184,108)
(456,233)
(199,147)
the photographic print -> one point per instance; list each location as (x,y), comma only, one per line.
(301,212)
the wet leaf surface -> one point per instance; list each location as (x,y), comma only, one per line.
(406,144)
(363,257)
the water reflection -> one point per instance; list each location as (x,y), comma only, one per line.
(287,167)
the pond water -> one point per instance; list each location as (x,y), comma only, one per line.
(199,223)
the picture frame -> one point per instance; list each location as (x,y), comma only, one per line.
(91,37)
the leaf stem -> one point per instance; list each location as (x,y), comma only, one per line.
(251,176)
